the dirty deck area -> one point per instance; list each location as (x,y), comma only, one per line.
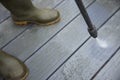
(65,50)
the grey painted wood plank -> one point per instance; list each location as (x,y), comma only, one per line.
(48,58)
(102,10)
(23,37)
(112,70)
(3,13)
(43,36)
(36,36)
(52,54)
(9,31)
(92,55)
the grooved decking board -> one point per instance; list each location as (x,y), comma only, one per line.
(9,31)
(112,70)
(91,56)
(50,56)
(102,10)
(36,36)
(4,13)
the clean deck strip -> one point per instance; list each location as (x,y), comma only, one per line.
(112,70)
(90,57)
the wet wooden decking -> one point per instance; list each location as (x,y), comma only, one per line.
(65,51)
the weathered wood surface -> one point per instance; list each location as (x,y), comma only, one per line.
(8,30)
(85,63)
(34,37)
(92,56)
(48,58)
(112,70)
(56,51)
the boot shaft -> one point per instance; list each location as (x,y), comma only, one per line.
(18,7)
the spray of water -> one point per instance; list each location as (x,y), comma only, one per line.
(102,43)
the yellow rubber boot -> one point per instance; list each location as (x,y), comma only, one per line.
(12,68)
(23,12)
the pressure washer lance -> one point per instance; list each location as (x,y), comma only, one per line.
(93,32)
(91,28)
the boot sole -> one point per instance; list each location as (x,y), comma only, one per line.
(44,24)
(23,78)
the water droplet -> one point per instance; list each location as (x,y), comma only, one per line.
(102,43)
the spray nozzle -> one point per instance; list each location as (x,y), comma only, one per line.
(93,32)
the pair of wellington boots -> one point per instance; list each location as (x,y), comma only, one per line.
(23,12)
(12,68)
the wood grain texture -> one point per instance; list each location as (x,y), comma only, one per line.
(34,37)
(92,55)
(112,70)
